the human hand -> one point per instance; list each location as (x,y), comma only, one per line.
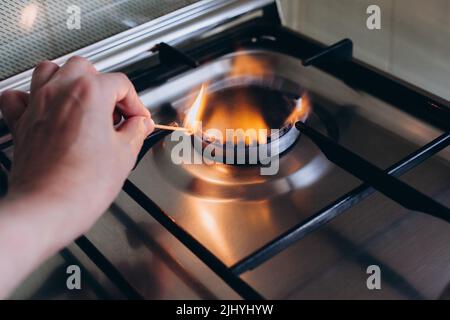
(69,159)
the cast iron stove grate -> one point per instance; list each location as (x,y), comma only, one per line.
(336,60)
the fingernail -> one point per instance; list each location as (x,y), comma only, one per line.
(149,123)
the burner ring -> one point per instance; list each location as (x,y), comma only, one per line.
(231,153)
(275,104)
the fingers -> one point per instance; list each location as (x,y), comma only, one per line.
(42,74)
(12,106)
(134,130)
(123,95)
(74,68)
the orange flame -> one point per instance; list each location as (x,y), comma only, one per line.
(195,112)
(241,113)
(301,110)
(241,116)
(246,65)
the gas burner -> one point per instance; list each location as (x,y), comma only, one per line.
(246,116)
(247,124)
(249,95)
(301,163)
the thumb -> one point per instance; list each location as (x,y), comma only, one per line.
(135,129)
(12,106)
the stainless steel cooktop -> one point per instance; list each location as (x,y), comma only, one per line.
(233,210)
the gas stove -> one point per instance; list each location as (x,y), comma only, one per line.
(362,177)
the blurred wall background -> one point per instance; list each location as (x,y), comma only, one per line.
(413,43)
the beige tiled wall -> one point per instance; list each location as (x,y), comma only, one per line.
(413,44)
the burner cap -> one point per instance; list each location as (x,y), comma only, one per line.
(239,119)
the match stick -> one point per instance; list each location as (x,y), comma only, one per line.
(172,128)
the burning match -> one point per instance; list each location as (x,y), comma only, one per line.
(171,128)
